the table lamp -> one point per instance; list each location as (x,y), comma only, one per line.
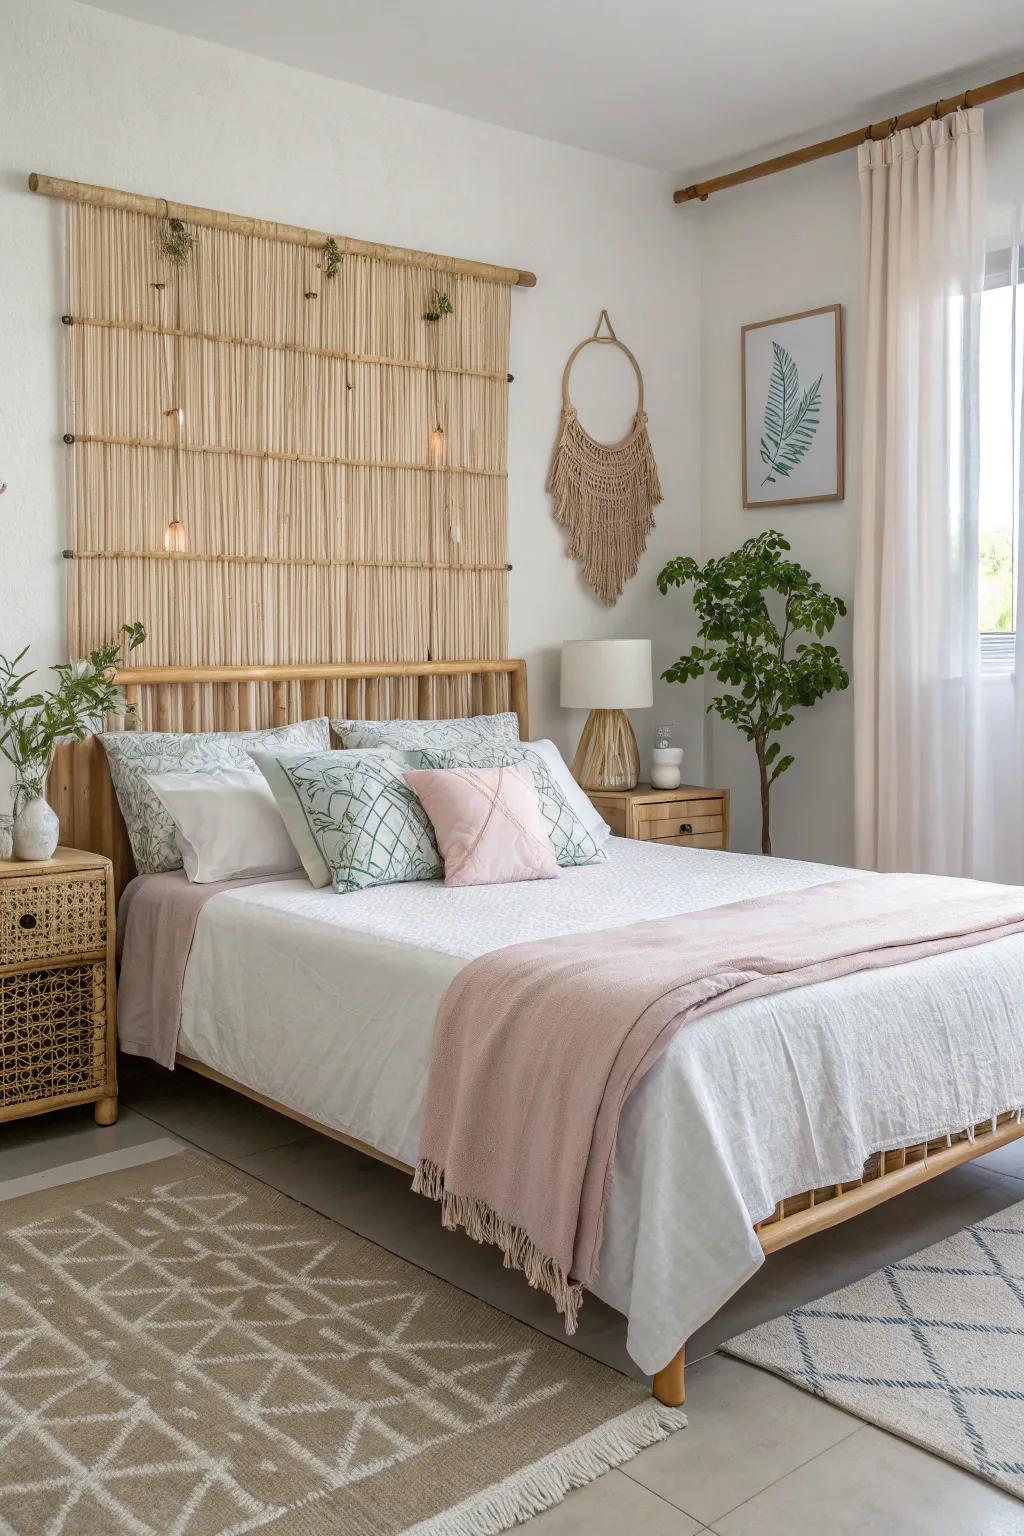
(607,677)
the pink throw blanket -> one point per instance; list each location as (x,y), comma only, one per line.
(537,1046)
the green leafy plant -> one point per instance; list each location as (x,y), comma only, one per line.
(790,418)
(440,304)
(746,647)
(331,257)
(177,241)
(32,724)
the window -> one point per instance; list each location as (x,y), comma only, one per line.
(1001,358)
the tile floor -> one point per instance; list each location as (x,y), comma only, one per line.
(759,1458)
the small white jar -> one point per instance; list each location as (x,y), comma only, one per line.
(666,766)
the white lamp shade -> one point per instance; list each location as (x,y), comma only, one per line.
(606,674)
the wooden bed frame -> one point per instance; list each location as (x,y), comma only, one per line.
(244,698)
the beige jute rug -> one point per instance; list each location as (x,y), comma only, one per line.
(931,1348)
(183,1350)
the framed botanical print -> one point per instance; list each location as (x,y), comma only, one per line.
(793,409)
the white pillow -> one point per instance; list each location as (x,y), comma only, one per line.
(226,824)
(578,799)
(135,754)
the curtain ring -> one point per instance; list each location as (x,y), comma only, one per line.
(893,125)
(936,114)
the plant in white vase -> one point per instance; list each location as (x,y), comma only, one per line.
(33,724)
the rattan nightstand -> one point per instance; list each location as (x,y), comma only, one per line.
(688,817)
(58,1029)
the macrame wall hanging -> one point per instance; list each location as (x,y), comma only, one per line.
(604,492)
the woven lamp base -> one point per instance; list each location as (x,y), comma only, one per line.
(607,756)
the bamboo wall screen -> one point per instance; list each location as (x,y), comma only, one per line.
(325,522)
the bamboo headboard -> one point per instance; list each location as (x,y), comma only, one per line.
(252,698)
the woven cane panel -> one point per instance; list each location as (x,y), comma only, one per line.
(52,1033)
(324,521)
(53,916)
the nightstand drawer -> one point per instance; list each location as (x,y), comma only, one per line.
(48,917)
(678,818)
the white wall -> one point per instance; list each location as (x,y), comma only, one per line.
(93,97)
(774,247)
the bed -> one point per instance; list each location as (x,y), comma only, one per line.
(794,1112)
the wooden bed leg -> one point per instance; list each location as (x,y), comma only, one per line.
(670,1383)
(105,1110)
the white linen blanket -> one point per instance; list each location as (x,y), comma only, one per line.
(327,1003)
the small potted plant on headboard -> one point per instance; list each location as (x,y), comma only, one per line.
(745,646)
(33,724)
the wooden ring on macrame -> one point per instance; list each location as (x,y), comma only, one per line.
(604,492)
(607,340)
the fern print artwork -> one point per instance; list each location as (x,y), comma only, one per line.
(792,409)
(790,418)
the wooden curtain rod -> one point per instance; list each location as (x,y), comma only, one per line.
(702,190)
(267,229)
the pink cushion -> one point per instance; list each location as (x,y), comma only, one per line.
(487,823)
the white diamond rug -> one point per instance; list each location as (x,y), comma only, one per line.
(931,1348)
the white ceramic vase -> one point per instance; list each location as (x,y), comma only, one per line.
(36,829)
(666,765)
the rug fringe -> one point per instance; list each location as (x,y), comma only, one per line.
(519,1250)
(546,1482)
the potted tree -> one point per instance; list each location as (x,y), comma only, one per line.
(752,604)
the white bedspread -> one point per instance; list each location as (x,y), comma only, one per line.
(327,1003)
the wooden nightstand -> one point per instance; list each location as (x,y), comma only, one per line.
(688,817)
(58,1028)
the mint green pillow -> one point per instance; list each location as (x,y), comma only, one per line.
(435,735)
(570,839)
(353,819)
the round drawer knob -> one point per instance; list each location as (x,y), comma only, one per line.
(27,920)
(685,828)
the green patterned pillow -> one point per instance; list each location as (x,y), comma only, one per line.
(352,817)
(572,843)
(438,735)
(134,755)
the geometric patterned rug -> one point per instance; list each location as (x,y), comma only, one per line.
(931,1348)
(185,1352)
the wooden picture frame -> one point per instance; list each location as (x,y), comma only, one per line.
(799,354)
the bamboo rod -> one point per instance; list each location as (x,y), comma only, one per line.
(132,678)
(212,559)
(146,328)
(280,455)
(702,190)
(268,229)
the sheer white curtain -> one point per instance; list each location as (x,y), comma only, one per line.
(999,783)
(916,651)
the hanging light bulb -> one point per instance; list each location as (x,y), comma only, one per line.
(176,537)
(437,445)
